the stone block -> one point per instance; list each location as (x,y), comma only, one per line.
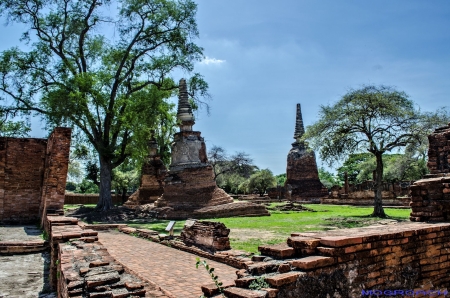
(284,278)
(312,262)
(243,293)
(339,241)
(278,251)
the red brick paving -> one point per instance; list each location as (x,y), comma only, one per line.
(171,269)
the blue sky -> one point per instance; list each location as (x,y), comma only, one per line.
(264,57)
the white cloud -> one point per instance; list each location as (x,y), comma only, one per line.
(208,60)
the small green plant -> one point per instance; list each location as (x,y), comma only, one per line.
(57,262)
(44,235)
(214,277)
(258,283)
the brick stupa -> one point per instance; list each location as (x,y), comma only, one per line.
(190,189)
(302,176)
(152,178)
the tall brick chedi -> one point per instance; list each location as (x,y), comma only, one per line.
(189,184)
(301,171)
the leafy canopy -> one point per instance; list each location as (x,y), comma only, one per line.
(103,67)
(374,119)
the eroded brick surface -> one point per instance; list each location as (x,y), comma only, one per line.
(33,176)
(302,177)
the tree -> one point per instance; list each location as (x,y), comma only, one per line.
(377,119)
(71,186)
(240,163)
(328,179)
(87,186)
(261,181)
(112,89)
(353,165)
(125,178)
(12,128)
(281,179)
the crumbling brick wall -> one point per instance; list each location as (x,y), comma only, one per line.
(410,257)
(21,173)
(438,152)
(430,197)
(33,176)
(55,172)
(208,235)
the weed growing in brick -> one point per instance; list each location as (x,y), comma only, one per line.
(258,283)
(214,277)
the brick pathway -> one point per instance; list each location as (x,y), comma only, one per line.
(171,269)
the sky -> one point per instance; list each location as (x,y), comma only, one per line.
(263,57)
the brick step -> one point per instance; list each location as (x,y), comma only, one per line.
(234,292)
(260,268)
(303,246)
(282,279)
(10,247)
(211,290)
(277,251)
(312,262)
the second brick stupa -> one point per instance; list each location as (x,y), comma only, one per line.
(302,176)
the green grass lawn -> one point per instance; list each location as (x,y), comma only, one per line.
(247,233)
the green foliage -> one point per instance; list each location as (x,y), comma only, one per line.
(329,179)
(114,91)
(230,171)
(281,179)
(87,186)
(92,172)
(396,167)
(262,180)
(44,236)
(230,182)
(259,283)
(71,186)
(375,119)
(210,271)
(125,178)
(15,129)
(353,166)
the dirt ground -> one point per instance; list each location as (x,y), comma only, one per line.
(24,275)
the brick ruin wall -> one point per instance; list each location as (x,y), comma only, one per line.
(33,176)
(211,236)
(439,149)
(82,267)
(395,258)
(430,197)
(350,262)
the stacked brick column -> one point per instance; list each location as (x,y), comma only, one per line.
(55,174)
(430,197)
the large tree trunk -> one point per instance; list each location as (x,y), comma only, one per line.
(105,199)
(378,210)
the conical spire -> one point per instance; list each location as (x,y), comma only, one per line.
(299,128)
(184,114)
